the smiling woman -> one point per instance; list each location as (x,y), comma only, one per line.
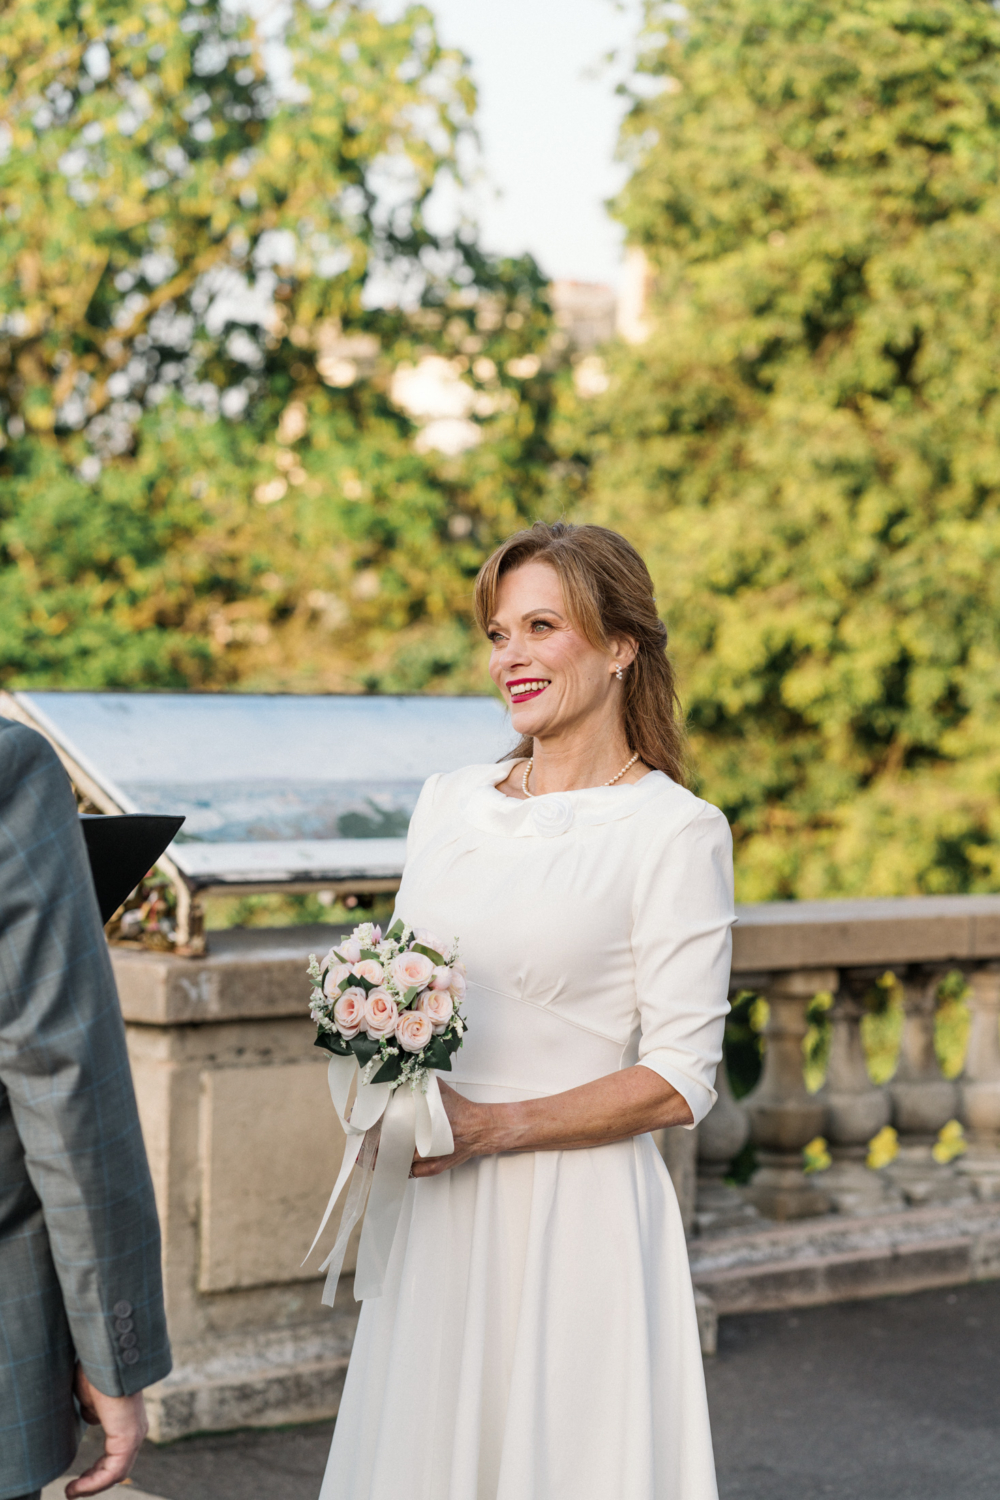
(572,608)
(537,1294)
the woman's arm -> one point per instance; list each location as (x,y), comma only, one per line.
(595,1114)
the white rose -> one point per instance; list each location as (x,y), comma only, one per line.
(411,970)
(334,976)
(349,1012)
(429,939)
(441,978)
(551,815)
(370,969)
(437,1006)
(381,1013)
(414,1030)
(350,950)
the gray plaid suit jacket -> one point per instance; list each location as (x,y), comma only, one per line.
(79,1239)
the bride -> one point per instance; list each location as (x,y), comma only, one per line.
(536,1335)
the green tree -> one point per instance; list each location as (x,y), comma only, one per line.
(807,448)
(208,284)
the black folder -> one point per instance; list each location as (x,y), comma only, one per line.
(123,848)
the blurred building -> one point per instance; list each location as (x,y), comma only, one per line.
(585,311)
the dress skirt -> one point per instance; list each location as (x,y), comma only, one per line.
(536,1339)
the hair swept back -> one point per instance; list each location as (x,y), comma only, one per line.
(609,594)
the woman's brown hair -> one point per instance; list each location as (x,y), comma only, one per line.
(609,594)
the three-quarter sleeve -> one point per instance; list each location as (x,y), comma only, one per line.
(682,946)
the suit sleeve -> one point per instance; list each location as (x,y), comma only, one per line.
(64,1065)
(682,943)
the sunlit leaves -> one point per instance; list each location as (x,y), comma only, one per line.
(807,447)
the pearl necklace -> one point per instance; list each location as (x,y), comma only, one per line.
(626,767)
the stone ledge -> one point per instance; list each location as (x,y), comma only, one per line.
(839,1259)
(255,1381)
(247,974)
(850,934)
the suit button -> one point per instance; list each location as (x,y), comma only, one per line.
(124,1325)
(130,1357)
(122,1309)
(128,1341)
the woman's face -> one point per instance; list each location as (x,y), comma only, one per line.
(550,675)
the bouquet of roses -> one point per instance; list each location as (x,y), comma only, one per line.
(390,1002)
(387,1011)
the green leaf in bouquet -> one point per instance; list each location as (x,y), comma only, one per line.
(332,1041)
(369,953)
(451,1040)
(430,953)
(389,1071)
(436,1055)
(364,1048)
(396,930)
(411,994)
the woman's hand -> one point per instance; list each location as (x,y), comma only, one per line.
(468,1126)
(613,1108)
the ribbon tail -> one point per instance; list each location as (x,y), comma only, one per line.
(353,1209)
(340,1074)
(352,1147)
(392,1170)
(368,1108)
(433,1128)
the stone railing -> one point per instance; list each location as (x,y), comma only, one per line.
(244,1144)
(916,1197)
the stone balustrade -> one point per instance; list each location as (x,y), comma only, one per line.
(244,1144)
(790,952)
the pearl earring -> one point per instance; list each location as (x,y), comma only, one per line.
(618,672)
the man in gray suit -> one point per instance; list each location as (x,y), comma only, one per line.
(81,1299)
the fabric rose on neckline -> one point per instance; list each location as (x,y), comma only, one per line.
(551,815)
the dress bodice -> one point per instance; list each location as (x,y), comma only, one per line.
(595,926)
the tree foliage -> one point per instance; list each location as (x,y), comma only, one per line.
(807,448)
(208,283)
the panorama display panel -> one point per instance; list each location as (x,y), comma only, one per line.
(273,788)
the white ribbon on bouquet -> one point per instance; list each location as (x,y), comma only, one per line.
(386,1126)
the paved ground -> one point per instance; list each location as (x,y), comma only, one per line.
(897,1399)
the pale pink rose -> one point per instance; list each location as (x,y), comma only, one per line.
(429,939)
(411,969)
(457,986)
(334,976)
(414,1030)
(349,1012)
(350,950)
(437,1006)
(381,1013)
(441,978)
(369,969)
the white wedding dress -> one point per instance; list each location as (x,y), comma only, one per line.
(536,1336)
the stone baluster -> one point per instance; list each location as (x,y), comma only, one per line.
(856,1108)
(979,1088)
(721,1136)
(922,1098)
(784,1116)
